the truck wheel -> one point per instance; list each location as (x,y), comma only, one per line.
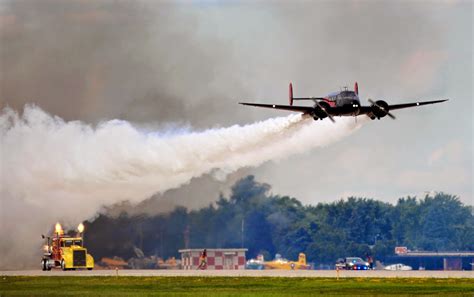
(89,268)
(63,265)
(43,265)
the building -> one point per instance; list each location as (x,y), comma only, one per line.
(217,259)
(434,260)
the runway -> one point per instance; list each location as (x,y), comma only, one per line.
(248,273)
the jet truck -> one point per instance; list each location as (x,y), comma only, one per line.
(65,251)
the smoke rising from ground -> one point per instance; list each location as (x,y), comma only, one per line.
(53,169)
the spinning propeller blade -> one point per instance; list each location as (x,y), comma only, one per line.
(382,108)
(325,111)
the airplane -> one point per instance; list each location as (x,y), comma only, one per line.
(281,263)
(342,103)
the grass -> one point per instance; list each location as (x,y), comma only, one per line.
(230,286)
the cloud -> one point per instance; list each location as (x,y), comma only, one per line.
(421,68)
(452,151)
(431,179)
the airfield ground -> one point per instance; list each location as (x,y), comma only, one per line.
(243,283)
(248,273)
(230,286)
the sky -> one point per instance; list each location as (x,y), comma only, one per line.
(161,64)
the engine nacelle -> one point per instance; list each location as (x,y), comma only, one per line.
(318,110)
(379,109)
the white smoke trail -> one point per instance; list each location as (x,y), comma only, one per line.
(55,170)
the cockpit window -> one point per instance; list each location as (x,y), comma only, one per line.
(348,94)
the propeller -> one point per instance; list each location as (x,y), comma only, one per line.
(324,110)
(383,109)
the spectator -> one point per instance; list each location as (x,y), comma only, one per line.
(203,260)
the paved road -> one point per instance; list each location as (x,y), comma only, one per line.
(249,273)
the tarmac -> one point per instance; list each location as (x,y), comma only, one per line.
(248,273)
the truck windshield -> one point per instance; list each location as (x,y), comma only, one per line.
(67,243)
(78,242)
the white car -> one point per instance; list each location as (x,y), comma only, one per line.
(398,266)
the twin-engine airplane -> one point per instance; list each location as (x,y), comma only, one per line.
(342,103)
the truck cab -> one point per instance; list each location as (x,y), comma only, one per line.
(66,252)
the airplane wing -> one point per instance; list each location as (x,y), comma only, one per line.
(406,105)
(303,109)
(335,111)
(368,109)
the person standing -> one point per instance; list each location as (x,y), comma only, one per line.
(203,260)
(371,261)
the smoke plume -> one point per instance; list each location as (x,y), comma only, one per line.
(152,62)
(53,169)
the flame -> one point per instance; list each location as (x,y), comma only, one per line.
(80,228)
(58,229)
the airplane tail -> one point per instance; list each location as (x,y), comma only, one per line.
(290,94)
(302,259)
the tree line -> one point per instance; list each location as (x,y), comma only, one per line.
(267,224)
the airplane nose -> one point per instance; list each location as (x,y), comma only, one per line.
(356,106)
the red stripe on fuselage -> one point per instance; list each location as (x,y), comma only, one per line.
(330,102)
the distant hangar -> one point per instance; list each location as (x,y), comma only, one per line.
(449,260)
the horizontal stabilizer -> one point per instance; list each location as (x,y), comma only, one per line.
(310,98)
(303,109)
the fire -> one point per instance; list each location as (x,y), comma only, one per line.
(58,229)
(80,228)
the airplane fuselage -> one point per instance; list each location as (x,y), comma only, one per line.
(347,103)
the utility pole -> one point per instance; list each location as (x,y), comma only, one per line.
(161,242)
(186,237)
(242,233)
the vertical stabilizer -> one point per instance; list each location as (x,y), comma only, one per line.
(302,259)
(290,94)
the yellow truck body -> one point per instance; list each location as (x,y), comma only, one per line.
(76,257)
(68,253)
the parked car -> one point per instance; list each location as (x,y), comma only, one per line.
(398,266)
(352,263)
(254,264)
